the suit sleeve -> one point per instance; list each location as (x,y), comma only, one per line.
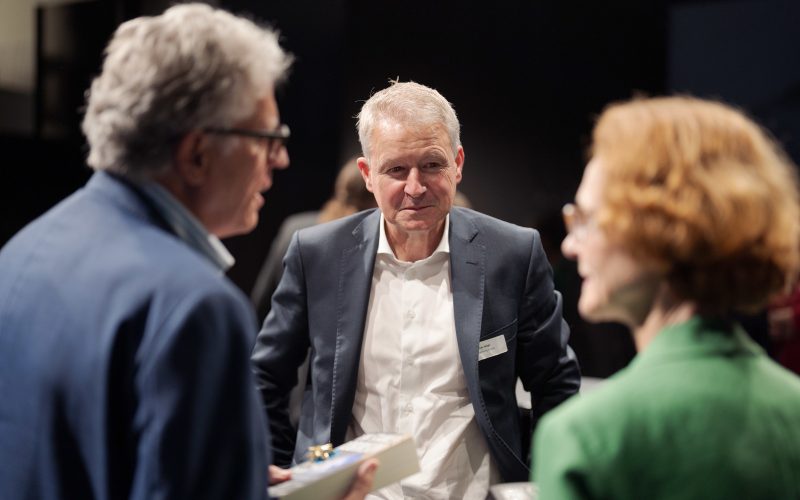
(281,346)
(199,428)
(547,365)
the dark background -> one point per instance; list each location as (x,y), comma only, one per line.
(526,79)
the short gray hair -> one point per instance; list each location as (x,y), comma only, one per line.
(191,67)
(410,103)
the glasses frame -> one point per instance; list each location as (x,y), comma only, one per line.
(577,221)
(275,138)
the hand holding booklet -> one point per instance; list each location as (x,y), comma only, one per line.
(329,478)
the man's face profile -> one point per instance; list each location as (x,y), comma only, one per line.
(239,174)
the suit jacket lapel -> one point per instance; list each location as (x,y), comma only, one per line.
(467,269)
(352,300)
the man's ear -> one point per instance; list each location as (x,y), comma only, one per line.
(363,166)
(191,158)
(459,164)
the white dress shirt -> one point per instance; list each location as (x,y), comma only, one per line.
(410,378)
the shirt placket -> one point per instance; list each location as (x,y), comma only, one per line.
(409,342)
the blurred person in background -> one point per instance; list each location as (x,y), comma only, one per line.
(783,315)
(687,214)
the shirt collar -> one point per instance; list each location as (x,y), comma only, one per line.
(385,249)
(187,227)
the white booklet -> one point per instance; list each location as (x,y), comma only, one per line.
(330,478)
(514,491)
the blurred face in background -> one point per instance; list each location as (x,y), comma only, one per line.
(616,286)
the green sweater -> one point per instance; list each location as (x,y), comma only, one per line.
(701,413)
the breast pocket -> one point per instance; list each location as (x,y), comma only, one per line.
(497,367)
(498,342)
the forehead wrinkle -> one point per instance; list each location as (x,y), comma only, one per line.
(406,144)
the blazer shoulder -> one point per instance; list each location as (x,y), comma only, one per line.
(600,415)
(469,223)
(341,231)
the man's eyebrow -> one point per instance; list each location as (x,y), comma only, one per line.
(385,165)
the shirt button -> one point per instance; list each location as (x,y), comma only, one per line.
(409,408)
(410,314)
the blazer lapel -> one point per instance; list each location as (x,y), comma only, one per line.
(467,270)
(352,300)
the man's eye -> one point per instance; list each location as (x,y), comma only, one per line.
(432,166)
(394,170)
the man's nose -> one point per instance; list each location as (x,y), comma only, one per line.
(414,185)
(279,160)
(568,247)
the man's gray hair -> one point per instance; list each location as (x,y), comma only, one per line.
(409,103)
(191,67)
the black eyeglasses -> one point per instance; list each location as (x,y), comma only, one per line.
(275,139)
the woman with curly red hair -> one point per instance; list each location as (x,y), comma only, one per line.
(687,214)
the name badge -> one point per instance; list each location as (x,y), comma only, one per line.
(492,347)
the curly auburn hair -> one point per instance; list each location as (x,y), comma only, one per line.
(703,192)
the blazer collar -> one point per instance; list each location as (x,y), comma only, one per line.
(356,262)
(153,203)
(121,192)
(366,233)
(463,232)
(699,337)
(467,269)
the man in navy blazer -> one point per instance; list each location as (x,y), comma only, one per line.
(419,316)
(124,351)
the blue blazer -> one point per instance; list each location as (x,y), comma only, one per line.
(124,361)
(502,285)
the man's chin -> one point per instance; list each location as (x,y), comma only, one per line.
(244,227)
(420,226)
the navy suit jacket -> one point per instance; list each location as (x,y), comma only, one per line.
(124,361)
(502,285)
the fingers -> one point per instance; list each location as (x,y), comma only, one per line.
(362,484)
(278,475)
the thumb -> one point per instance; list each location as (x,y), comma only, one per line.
(365,477)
